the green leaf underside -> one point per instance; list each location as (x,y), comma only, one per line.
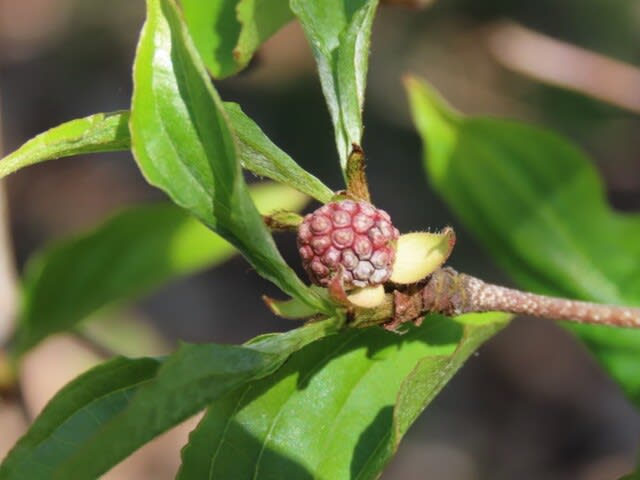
(339,33)
(228,33)
(329,411)
(539,207)
(131,253)
(110,411)
(183,144)
(102,132)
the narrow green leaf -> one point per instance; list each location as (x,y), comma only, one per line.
(539,207)
(102,132)
(337,409)
(292,309)
(339,33)
(74,415)
(109,132)
(187,382)
(131,253)
(183,143)
(228,33)
(262,157)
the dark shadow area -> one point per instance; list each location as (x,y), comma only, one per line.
(373,444)
(238,452)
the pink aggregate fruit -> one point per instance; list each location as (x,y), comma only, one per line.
(353,234)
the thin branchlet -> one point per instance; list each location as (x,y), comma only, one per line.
(448,292)
(488,297)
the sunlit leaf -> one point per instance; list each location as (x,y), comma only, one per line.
(336,409)
(74,415)
(261,156)
(109,132)
(184,145)
(116,407)
(339,32)
(187,382)
(539,207)
(102,132)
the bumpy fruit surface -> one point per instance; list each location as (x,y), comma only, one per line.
(356,235)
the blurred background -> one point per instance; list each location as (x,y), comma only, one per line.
(531,404)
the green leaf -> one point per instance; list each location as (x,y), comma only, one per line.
(187,382)
(133,400)
(539,207)
(337,409)
(182,142)
(262,157)
(228,33)
(339,33)
(74,415)
(109,132)
(102,132)
(131,253)
(292,309)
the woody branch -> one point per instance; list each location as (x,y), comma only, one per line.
(448,292)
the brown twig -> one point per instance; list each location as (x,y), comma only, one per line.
(448,292)
(559,63)
(94,344)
